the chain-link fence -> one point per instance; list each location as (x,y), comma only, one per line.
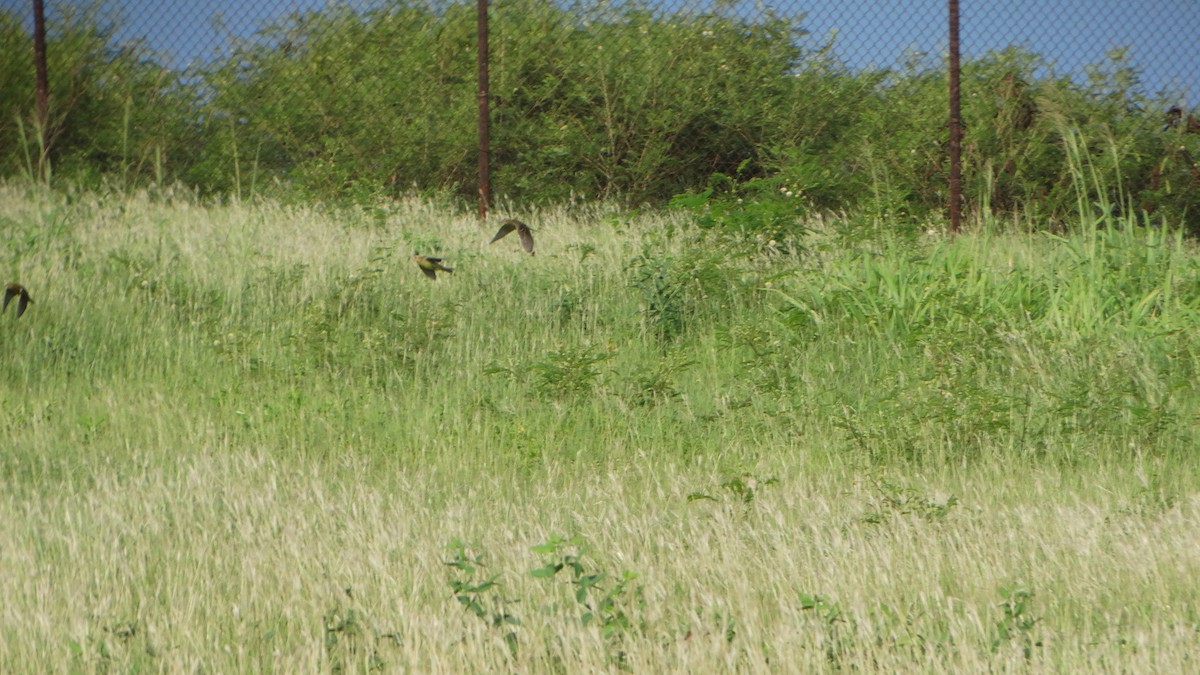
(836,101)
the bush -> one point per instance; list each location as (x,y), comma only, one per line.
(357,105)
(115,111)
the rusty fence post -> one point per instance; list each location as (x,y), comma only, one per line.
(42,87)
(955,126)
(485,178)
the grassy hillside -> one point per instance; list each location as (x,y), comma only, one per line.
(253,437)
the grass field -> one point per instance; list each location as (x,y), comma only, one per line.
(255,438)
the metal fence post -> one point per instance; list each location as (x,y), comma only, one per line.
(955,126)
(42,85)
(485,179)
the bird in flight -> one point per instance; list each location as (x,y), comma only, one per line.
(430,266)
(522,230)
(16,291)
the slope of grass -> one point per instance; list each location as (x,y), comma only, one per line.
(250,438)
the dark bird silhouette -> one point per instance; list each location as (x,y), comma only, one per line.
(1175,115)
(430,266)
(522,230)
(16,291)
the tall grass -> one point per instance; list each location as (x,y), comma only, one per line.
(253,437)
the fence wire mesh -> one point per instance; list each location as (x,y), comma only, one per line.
(605,99)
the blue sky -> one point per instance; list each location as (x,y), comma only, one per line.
(1162,34)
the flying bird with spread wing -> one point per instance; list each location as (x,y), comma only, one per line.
(522,230)
(16,291)
(430,266)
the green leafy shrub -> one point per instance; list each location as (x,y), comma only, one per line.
(115,110)
(612,602)
(678,289)
(766,212)
(481,598)
(339,104)
(1017,621)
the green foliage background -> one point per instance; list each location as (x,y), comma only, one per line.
(345,105)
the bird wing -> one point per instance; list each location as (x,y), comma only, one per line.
(526,238)
(507,227)
(23,303)
(427,265)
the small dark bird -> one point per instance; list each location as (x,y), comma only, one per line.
(16,291)
(522,230)
(1175,115)
(430,266)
